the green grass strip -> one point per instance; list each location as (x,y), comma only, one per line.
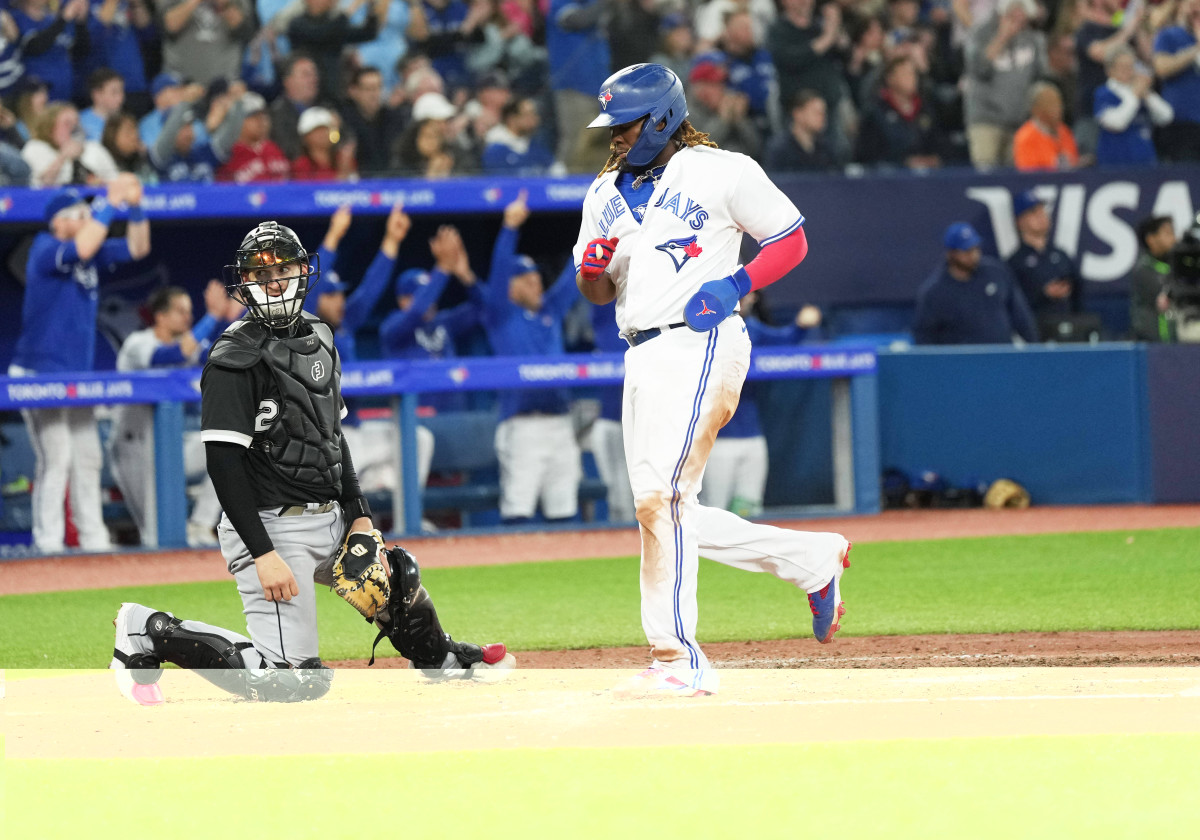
(1143,580)
(1096,787)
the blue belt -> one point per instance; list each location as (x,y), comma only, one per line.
(642,336)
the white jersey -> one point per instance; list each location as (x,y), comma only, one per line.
(136,353)
(135,419)
(137,350)
(691,231)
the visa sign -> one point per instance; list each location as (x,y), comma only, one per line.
(1110,214)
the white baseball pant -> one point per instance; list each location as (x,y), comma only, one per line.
(680,388)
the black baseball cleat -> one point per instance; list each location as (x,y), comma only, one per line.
(465,661)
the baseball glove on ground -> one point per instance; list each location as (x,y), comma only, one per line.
(359,574)
(1006,493)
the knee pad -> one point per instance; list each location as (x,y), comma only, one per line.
(315,679)
(213,657)
(310,680)
(406,575)
(192,649)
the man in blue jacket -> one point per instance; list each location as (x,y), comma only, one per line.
(971,299)
(418,329)
(58,335)
(535,440)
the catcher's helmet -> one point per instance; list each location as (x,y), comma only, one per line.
(254,281)
(643,90)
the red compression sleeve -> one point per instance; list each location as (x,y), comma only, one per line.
(777,259)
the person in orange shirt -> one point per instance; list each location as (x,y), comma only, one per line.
(1044,141)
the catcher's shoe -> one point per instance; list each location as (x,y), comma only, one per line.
(465,661)
(137,674)
(827,605)
(659,682)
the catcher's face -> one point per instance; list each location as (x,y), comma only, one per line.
(273,280)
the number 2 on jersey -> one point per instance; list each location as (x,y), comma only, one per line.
(268,410)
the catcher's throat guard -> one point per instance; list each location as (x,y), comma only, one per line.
(272,274)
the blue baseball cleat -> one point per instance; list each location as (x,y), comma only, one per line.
(826,604)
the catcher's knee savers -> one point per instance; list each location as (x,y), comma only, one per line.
(221,663)
(410,622)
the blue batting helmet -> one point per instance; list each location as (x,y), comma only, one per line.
(643,90)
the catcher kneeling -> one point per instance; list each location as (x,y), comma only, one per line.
(294,516)
(397,603)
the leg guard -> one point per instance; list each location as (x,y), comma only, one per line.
(221,662)
(411,624)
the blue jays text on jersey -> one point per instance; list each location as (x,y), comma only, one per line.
(685,208)
(691,212)
(614,208)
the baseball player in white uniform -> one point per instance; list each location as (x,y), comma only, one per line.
(171,341)
(661,233)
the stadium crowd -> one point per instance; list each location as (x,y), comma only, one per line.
(230,90)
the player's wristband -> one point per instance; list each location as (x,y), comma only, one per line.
(102,211)
(137,214)
(742,280)
(356,508)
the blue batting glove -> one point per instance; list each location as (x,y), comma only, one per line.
(716,300)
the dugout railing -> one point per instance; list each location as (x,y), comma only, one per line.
(854,423)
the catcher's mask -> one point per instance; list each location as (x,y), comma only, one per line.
(272,275)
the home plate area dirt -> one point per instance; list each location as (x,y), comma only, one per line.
(80,714)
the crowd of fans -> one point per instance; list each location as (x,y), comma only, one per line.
(231,90)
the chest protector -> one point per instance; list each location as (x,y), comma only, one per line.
(304,440)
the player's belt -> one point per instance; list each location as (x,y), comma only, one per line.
(311,507)
(642,336)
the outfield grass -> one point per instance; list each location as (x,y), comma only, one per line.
(1096,787)
(1137,580)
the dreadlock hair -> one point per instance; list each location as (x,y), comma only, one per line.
(686,135)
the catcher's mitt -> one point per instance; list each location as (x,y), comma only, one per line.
(359,574)
(1006,493)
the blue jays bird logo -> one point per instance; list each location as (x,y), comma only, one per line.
(680,250)
(605,97)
